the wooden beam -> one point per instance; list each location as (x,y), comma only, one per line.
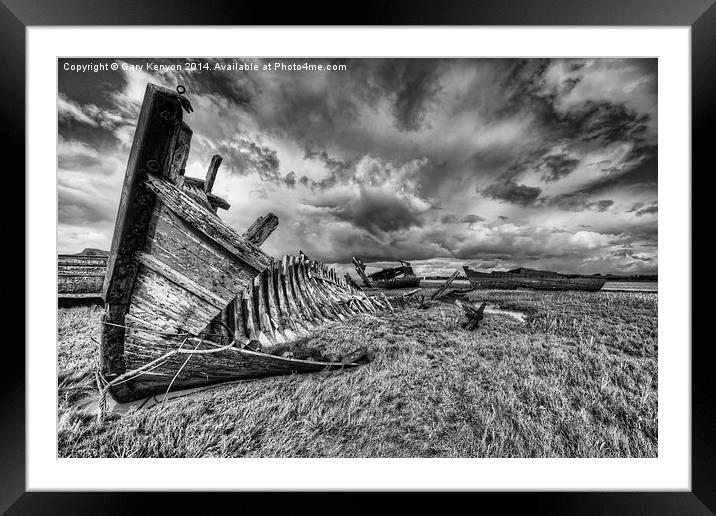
(218,202)
(211,172)
(360,269)
(439,292)
(261,229)
(158,127)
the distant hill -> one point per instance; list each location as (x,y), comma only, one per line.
(91,251)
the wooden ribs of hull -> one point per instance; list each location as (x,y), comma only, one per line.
(289,298)
(281,304)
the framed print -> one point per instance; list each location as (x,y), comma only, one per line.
(429,251)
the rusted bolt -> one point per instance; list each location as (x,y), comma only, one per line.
(152,165)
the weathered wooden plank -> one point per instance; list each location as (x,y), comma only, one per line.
(261,229)
(295,265)
(239,325)
(360,269)
(274,312)
(209,224)
(198,194)
(332,302)
(217,202)
(271,308)
(294,307)
(330,306)
(162,301)
(281,301)
(80,295)
(263,317)
(251,321)
(341,297)
(311,293)
(181,143)
(82,270)
(290,271)
(227,320)
(80,284)
(180,246)
(325,310)
(64,260)
(179,279)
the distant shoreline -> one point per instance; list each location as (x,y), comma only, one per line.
(609,278)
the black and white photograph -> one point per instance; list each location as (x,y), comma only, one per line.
(364,257)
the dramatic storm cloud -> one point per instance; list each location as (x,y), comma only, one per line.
(492,163)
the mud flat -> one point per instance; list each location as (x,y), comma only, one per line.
(631,286)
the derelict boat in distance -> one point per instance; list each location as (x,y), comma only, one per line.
(81,275)
(389,278)
(531,279)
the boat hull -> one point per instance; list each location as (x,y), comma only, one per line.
(80,276)
(185,293)
(207,369)
(397,283)
(511,281)
(173,265)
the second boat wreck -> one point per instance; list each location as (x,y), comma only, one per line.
(531,279)
(190,301)
(389,278)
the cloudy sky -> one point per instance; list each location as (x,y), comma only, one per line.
(492,163)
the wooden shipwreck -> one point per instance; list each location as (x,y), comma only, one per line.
(291,297)
(188,300)
(531,279)
(389,278)
(81,275)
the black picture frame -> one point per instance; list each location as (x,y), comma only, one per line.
(700,15)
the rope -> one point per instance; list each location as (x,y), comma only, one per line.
(165,333)
(129,375)
(359,297)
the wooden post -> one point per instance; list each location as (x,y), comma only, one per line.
(261,229)
(211,172)
(360,269)
(474,316)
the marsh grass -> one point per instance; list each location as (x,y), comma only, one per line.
(577,379)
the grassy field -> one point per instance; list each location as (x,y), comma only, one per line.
(578,378)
